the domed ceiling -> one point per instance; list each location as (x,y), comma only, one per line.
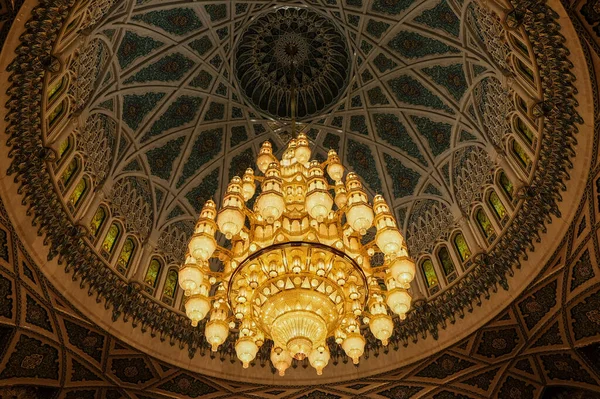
(150,107)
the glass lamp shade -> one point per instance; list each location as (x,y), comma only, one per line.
(354,346)
(318,204)
(190,277)
(319,359)
(281,360)
(303,152)
(382,327)
(360,217)
(248,190)
(230,221)
(216,333)
(270,206)
(403,270)
(335,171)
(389,240)
(202,246)
(196,308)
(398,301)
(246,350)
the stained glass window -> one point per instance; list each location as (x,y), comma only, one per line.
(64,147)
(521,155)
(78,192)
(497,205)
(506,185)
(170,284)
(446,261)
(56,113)
(484,223)
(429,272)
(461,246)
(55,88)
(111,238)
(153,272)
(69,172)
(525,131)
(98,221)
(126,255)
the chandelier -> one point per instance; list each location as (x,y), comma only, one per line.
(297,267)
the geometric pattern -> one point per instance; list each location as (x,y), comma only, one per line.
(543,330)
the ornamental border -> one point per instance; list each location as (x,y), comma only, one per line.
(30,164)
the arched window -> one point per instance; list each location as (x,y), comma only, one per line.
(520,45)
(497,206)
(153,272)
(521,155)
(431,278)
(78,194)
(56,113)
(506,185)
(98,221)
(524,130)
(485,225)
(521,103)
(55,88)
(527,73)
(170,286)
(462,247)
(111,239)
(70,171)
(63,149)
(126,255)
(447,263)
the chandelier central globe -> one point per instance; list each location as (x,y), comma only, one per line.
(298,269)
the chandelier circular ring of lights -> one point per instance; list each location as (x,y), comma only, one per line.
(297,267)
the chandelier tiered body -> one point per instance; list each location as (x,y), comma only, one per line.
(297,269)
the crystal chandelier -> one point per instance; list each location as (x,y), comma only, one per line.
(297,267)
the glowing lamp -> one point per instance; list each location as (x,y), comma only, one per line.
(246,350)
(265,157)
(319,358)
(216,333)
(403,270)
(354,346)
(389,240)
(398,301)
(303,152)
(202,246)
(190,276)
(196,308)
(248,185)
(335,169)
(281,360)
(382,327)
